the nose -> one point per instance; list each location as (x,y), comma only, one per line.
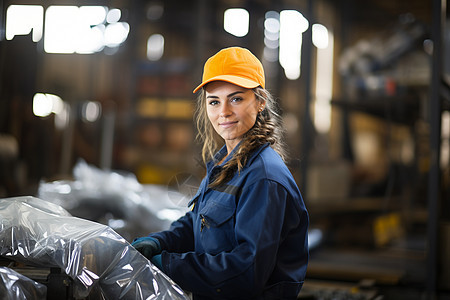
(225,110)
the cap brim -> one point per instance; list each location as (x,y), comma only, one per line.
(240,81)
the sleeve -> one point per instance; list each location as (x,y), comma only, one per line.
(246,269)
(179,238)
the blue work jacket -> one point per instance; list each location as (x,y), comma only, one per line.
(246,239)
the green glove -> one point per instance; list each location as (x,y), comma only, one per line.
(147,246)
(157,261)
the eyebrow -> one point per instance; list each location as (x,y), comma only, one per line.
(228,96)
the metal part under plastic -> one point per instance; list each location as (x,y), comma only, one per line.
(14,285)
(102,264)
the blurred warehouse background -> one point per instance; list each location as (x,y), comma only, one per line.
(365,97)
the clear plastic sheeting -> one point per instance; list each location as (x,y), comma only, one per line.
(15,286)
(102,264)
(115,199)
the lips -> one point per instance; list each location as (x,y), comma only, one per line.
(227,124)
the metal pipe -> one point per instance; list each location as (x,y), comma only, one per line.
(307,135)
(438,17)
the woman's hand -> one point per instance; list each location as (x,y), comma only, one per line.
(156,260)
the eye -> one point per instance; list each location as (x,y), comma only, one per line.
(236,99)
(213,102)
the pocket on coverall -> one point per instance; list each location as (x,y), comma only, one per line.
(217,224)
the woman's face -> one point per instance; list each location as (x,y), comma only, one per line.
(232,110)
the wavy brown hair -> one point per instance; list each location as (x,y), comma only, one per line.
(267,129)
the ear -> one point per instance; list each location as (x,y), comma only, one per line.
(262,105)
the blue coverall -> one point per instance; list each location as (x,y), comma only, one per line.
(246,239)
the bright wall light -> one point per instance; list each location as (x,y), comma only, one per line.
(22,19)
(272,23)
(61,29)
(271,36)
(90,29)
(155,47)
(42,106)
(320,36)
(236,21)
(93,15)
(93,39)
(57,103)
(116,34)
(113,16)
(91,111)
(292,26)
(84,30)
(45,104)
(70,29)
(324,86)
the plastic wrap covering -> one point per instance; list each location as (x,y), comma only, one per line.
(116,199)
(102,264)
(15,286)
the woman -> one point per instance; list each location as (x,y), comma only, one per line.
(246,235)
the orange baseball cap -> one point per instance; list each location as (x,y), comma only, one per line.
(234,65)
